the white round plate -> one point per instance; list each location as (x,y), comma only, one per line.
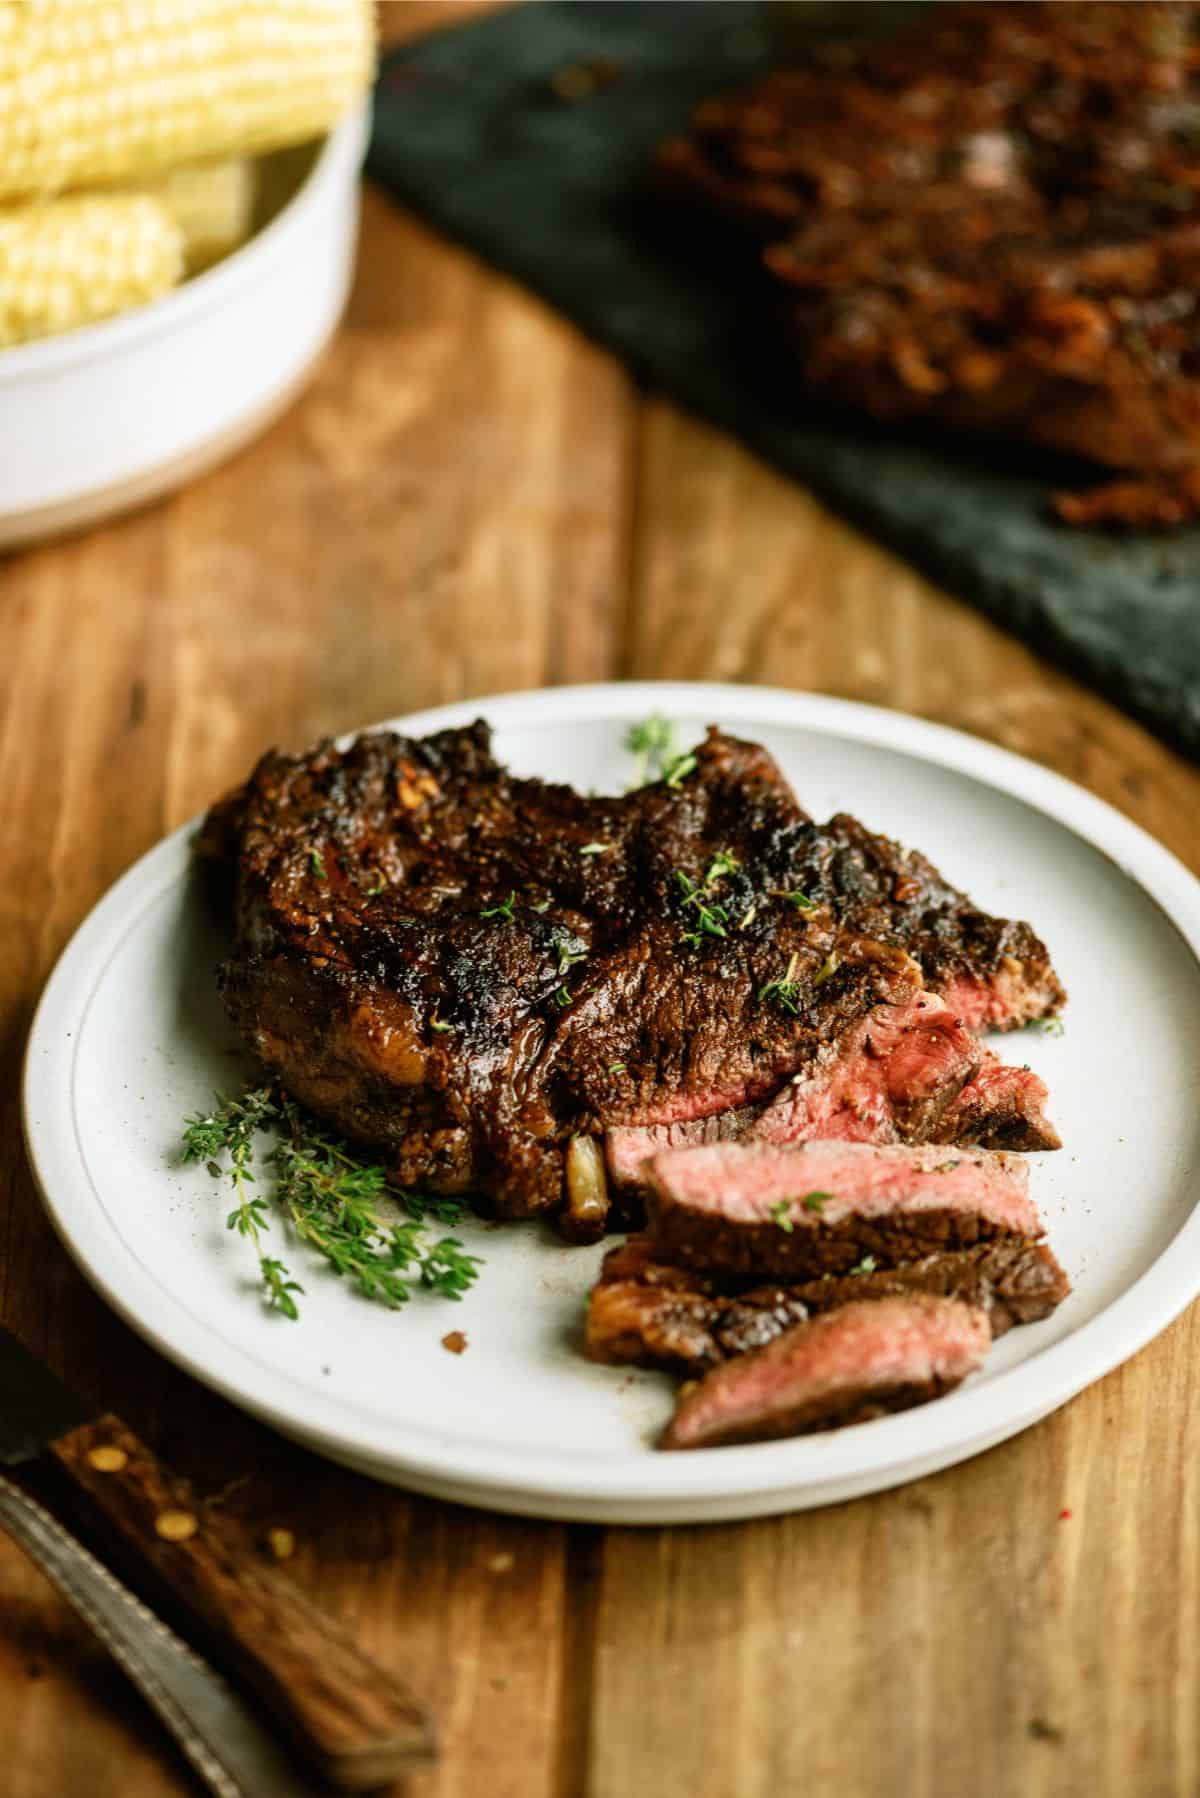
(129,1038)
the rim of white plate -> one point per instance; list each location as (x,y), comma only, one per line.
(1004,1403)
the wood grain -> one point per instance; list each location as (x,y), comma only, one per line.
(352,1720)
(471,498)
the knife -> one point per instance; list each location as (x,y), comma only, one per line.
(233,1752)
(356,1724)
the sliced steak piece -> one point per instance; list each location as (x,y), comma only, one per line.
(1001,1107)
(892,1080)
(652,1314)
(844,1367)
(908,1073)
(797,1213)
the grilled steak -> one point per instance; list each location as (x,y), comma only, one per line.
(992,222)
(844,1367)
(1016,105)
(480,974)
(993,973)
(653,1314)
(907,1073)
(797,1213)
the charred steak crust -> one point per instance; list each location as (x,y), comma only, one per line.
(651,1314)
(994,973)
(470,971)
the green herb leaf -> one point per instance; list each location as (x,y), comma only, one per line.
(867,1265)
(800,900)
(782,1213)
(501,911)
(785,991)
(678,769)
(712,918)
(328,1194)
(435,1023)
(616,1067)
(653,742)
(377,886)
(567,957)
(816,1201)
(1053,1026)
(596,848)
(316,864)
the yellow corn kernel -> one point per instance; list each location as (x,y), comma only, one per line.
(70,262)
(106,92)
(213,205)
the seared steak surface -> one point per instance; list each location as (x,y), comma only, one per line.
(654,1314)
(470,970)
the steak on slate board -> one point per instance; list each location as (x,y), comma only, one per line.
(990,222)
(480,974)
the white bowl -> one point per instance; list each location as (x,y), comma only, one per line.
(106,417)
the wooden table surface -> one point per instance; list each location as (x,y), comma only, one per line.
(471,498)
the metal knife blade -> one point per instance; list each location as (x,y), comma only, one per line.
(229,1747)
(35,1407)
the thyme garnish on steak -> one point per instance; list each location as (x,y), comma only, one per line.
(784,991)
(501,911)
(711,919)
(653,742)
(328,1194)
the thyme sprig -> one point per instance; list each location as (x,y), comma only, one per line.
(329,1195)
(785,991)
(501,911)
(653,743)
(795,897)
(679,767)
(712,918)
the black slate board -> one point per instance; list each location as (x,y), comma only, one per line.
(469,132)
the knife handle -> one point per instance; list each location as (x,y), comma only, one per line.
(231,1750)
(344,1713)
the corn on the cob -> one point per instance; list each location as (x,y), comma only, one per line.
(72,261)
(106,92)
(213,205)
